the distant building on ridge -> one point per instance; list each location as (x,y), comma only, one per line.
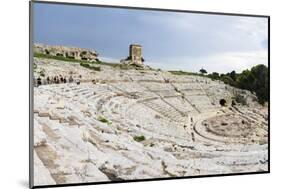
(135,55)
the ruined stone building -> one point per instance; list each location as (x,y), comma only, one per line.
(67,52)
(135,55)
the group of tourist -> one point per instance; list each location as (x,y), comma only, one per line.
(59,79)
(55,80)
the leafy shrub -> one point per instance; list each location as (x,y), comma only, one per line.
(42,73)
(139,138)
(88,65)
(102,119)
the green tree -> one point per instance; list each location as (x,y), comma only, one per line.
(203,71)
(233,75)
(228,80)
(255,80)
(214,75)
(260,85)
(246,80)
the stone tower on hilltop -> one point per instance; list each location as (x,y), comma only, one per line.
(135,55)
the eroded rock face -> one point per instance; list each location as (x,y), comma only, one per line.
(68,52)
(132,124)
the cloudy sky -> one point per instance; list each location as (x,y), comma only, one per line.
(171,41)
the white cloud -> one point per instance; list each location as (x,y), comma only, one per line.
(217,43)
(222,63)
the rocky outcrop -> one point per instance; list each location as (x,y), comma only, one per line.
(68,52)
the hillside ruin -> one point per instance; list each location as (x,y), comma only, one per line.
(66,52)
(124,124)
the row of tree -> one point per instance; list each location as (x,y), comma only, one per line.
(254,80)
